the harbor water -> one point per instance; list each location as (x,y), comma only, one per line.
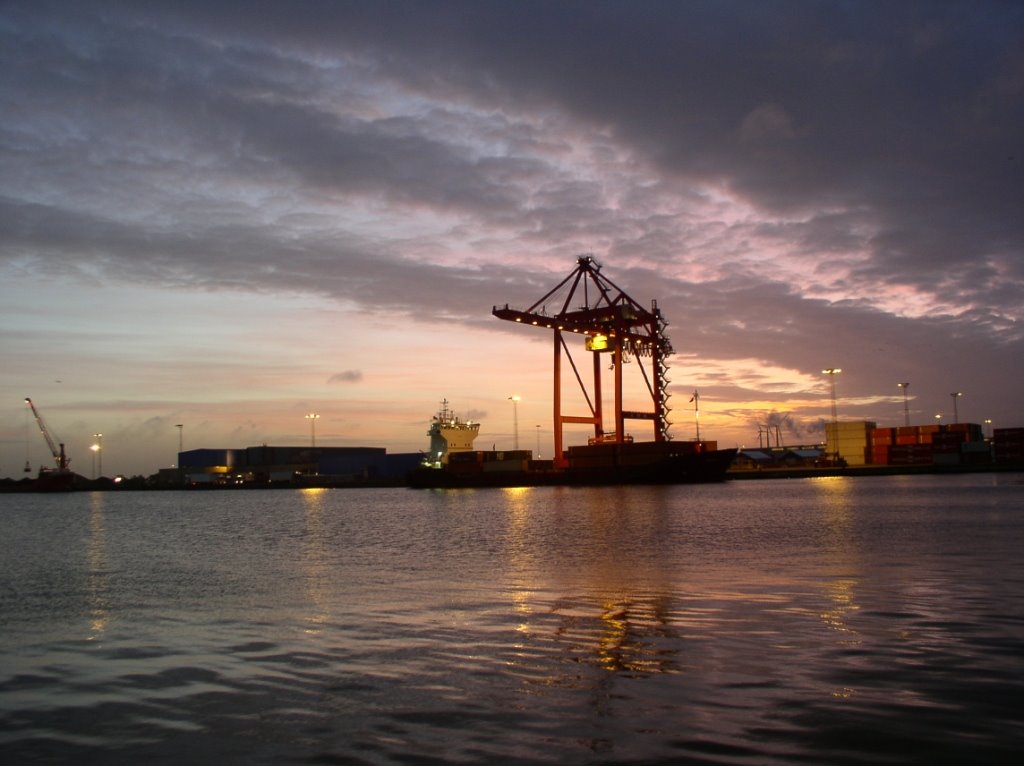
(816,621)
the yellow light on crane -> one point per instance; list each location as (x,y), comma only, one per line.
(597,343)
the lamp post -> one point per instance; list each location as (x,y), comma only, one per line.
(956,413)
(832,372)
(312,417)
(696,412)
(906,406)
(181,430)
(98,449)
(515,420)
(538,441)
(95,448)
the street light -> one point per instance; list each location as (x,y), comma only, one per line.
(181,430)
(515,420)
(696,412)
(95,448)
(832,372)
(99,451)
(956,414)
(538,441)
(906,407)
(312,417)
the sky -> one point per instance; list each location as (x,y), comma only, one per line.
(228,215)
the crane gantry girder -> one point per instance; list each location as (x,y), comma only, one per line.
(626,327)
(641,332)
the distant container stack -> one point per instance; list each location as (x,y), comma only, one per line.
(849,440)
(861,442)
(1008,446)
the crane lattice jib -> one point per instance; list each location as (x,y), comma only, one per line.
(58,452)
(589,303)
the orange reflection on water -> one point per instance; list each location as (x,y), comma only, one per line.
(315,562)
(517,501)
(835,495)
(96,558)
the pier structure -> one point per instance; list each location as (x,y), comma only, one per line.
(615,327)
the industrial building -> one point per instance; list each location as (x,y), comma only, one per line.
(266,465)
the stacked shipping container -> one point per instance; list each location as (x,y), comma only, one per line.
(952,444)
(1008,445)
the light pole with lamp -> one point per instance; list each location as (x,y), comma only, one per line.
(312,417)
(515,421)
(832,372)
(906,406)
(181,441)
(696,412)
(95,448)
(99,452)
(538,441)
(956,413)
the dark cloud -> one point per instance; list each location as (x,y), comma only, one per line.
(835,179)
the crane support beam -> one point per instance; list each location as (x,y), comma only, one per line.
(634,415)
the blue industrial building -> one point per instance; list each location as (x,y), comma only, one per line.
(323,466)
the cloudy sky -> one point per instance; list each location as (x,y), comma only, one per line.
(228,215)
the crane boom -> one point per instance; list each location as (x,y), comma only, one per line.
(58,453)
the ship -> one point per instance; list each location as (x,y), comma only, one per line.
(449,434)
(453,463)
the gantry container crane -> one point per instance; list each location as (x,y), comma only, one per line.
(613,324)
(57,450)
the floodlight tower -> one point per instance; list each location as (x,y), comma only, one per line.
(906,405)
(589,304)
(956,410)
(832,372)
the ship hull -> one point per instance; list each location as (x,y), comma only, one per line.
(685,468)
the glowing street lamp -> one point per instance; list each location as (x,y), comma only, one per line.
(312,417)
(99,451)
(696,411)
(956,413)
(95,448)
(515,420)
(906,407)
(832,372)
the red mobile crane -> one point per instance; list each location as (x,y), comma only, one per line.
(56,450)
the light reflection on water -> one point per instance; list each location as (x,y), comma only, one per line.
(832,621)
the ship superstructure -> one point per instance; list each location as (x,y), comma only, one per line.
(448,433)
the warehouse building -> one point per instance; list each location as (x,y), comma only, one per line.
(268,465)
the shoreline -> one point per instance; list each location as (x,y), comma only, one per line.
(9,486)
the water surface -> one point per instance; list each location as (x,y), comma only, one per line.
(830,621)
